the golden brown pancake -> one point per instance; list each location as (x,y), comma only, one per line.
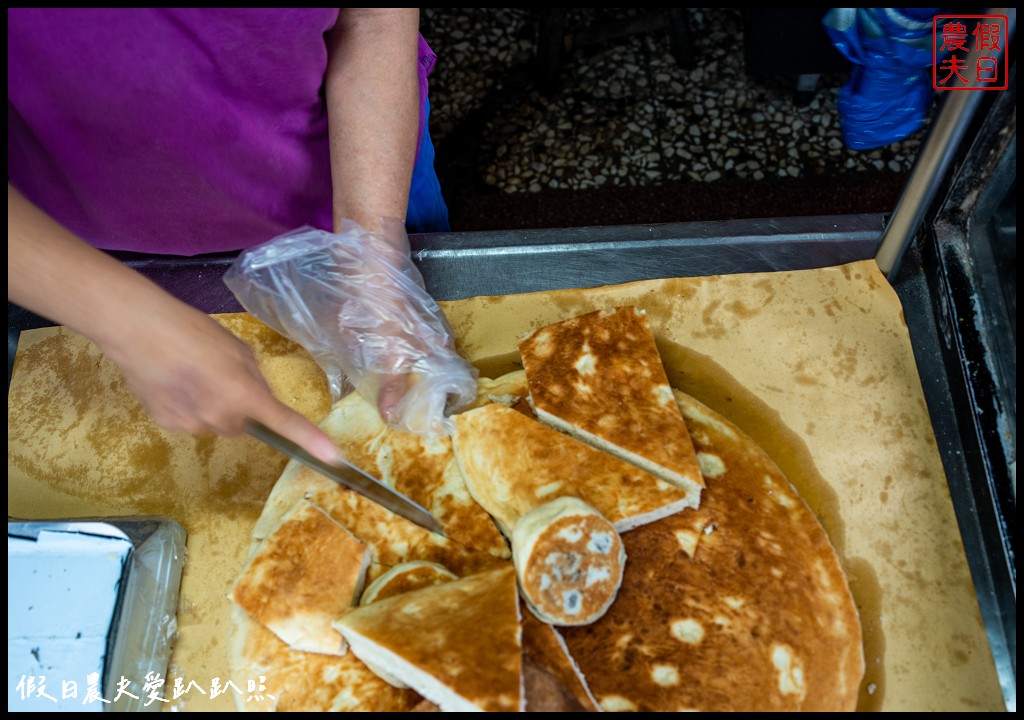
(750,612)
(423,470)
(542,691)
(391,538)
(543,646)
(303,576)
(391,541)
(305,681)
(404,578)
(457,644)
(569,561)
(740,604)
(509,390)
(512,464)
(296,681)
(599,377)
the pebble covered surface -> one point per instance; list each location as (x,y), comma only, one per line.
(623,112)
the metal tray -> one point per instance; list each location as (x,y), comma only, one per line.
(143,625)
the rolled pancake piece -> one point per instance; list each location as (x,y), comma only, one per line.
(306,573)
(569,561)
(404,578)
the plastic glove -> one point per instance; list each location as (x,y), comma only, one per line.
(357,303)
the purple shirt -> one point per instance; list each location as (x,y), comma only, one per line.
(173,131)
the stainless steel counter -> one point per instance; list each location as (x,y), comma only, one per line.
(460,265)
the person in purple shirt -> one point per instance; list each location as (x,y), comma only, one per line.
(192,131)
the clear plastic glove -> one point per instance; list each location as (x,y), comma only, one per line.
(357,303)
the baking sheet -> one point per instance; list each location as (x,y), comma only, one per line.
(816,365)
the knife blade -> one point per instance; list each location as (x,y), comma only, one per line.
(349,476)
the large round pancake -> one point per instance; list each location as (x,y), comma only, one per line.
(739,605)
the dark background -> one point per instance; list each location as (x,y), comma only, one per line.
(652,103)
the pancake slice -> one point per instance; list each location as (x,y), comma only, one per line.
(405,578)
(599,377)
(296,681)
(544,646)
(457,644)
(308,571)
(423,470)
(508,389)
(750,613)
(569,561)
(392,539)
(513,463)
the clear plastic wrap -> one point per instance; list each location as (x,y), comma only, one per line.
(357,303)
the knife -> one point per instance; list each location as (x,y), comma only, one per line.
(348,475)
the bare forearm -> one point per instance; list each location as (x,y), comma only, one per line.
(189,372)
(373,112)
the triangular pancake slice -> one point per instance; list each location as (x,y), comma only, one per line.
(544,646)
(304,681)
(457,644)
(513,463)
(307,572)
(599,377)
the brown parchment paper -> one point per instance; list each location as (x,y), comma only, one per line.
(815,365)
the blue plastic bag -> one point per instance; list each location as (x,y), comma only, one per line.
(889,93)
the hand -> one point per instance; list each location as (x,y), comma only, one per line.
(355,300)
(190,373)
(406,359)
(397,344)
(193,375)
